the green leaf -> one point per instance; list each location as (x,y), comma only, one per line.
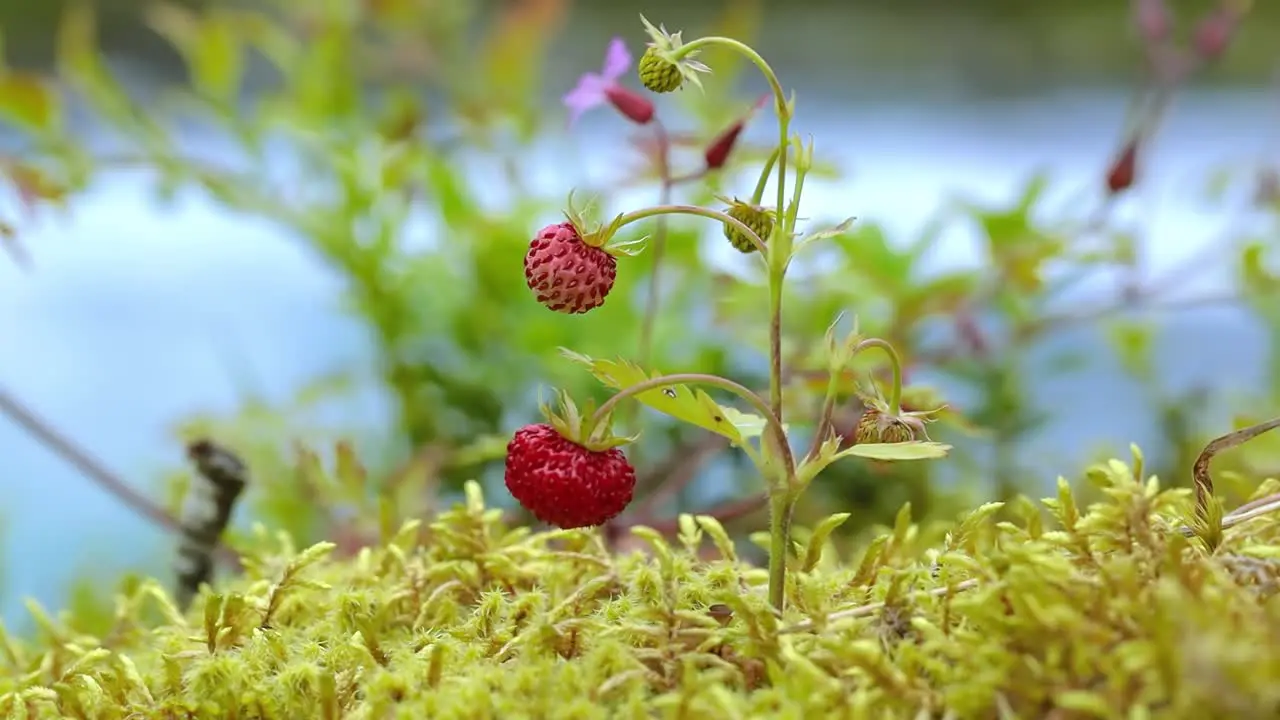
(216,58)
(748,425)
(1253,268)
(819,538)
(1132,342)
(28,102)
(896,451)
(825,233)
(679,401)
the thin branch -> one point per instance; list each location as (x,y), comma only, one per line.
(1200,470)
(91,468)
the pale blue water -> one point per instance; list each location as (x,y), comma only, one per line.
(122,329)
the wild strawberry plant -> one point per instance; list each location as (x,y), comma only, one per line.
(571,470)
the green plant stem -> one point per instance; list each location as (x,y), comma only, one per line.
(777,257)
(780,103)
(778,433)
(781,507)
(895,394)
(693,210)
(758,195)
(783,228)
(833,381)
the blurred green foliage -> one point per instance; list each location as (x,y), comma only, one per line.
(359,147)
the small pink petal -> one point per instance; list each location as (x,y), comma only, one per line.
(588,93)
(616,60)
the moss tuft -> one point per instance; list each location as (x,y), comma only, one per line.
(1088,612)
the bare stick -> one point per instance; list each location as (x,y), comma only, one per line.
(1200,470)
(87,465)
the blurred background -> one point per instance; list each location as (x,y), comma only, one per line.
(303,221)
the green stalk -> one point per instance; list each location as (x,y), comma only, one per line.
(765,172)
(777,257)
(656,210)
(895,394)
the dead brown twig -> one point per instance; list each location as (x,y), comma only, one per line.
(1204,481)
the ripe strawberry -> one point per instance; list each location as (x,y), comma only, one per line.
(564,480)
(565,273)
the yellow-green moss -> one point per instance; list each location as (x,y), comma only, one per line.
(1106,611)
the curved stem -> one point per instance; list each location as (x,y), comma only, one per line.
(780,106)
(777,257)
(695,210)
(895,396)
(771,420)
(833,378)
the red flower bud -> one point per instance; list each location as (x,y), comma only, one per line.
(633,105)
(717,153)
(1213,34)
(1121,175)
(1152,19)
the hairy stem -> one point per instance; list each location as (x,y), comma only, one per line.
(781,506)
(780,103)
(758,195)
(833,379)
(777,256)
(895,394)
(658,210)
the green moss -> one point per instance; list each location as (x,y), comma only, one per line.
(1095,612)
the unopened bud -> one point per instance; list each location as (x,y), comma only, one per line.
(1121,174)
(633,105)
(717,153)
(1213,34)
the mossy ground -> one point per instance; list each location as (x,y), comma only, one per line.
(1106,611)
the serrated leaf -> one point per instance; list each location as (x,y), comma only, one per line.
(825,233)
(28,102)
(896,451)
(748,425)
(682,402)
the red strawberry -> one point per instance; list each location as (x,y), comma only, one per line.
(564,483)
(566,274)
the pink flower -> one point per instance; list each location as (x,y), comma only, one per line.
(593,88)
